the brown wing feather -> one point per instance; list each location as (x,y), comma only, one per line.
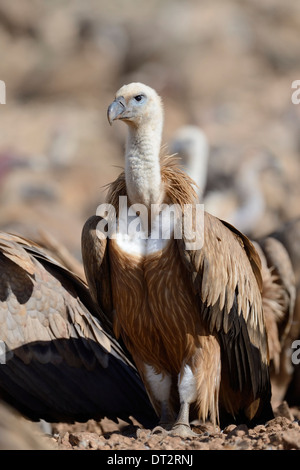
(223,274)
(279,262)
(251,252)
(289,235)
(61,363)
(273,311)
(35,304)
(279,295)
(96,265)
(227,279)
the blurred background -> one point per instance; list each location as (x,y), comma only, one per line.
(225,66)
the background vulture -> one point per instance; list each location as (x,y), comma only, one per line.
(58,360)
(278,297)
(192,319)
(288,235)
(230,193)
(191,145)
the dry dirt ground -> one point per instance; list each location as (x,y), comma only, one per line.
(281,433)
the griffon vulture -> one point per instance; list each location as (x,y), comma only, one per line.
(191,316)
(235,195)
(191,144)
(58,361)
(288,234)
(278,297)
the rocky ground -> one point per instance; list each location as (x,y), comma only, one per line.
(281,433)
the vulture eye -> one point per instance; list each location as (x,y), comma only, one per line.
(138,97)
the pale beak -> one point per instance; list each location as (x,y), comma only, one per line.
(115,109)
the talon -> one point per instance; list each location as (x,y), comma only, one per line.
(183,430)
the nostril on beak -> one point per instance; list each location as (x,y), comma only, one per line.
(122,101)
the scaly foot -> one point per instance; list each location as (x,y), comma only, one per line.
(182,430)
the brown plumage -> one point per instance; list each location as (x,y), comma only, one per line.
(192,319)
(278,295)
(61,362)
(289,236)
(288,377)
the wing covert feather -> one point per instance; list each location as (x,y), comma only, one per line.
(61,363)
(226,277)
(96,265)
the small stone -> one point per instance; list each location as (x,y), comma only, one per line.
(260,428)
(84,440)
(238,431)
(277,424)
(229,428)
(65,440)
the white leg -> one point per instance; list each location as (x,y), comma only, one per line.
(160,386)
(187,394)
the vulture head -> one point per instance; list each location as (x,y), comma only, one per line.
(140,107)
(136,104)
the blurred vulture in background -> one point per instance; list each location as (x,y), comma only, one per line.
(289,236)
(58,360)
(278,297)
(191,145)
(236,197)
